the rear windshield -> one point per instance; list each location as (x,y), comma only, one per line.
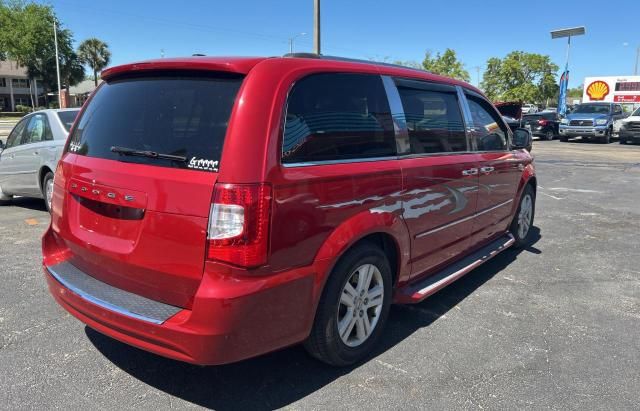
(67,118)
(592,108)
(179,115)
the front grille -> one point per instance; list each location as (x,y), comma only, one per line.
(582,123)
(633,125)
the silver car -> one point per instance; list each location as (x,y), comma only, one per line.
(33,148)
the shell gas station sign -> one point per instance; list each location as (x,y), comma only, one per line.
(618,89)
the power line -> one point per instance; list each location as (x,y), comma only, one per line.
(203,28)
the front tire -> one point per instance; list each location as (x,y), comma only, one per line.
(47,190)
(523,220)
(353,309)
(607,137)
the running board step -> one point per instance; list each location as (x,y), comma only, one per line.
(416,292)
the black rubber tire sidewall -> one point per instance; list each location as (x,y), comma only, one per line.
(324,342)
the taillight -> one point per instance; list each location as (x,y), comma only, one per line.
(239,224)
(542,122)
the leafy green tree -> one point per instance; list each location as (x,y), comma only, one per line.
(27,37)
(520,76)
(576,92)
(71,69)
(446,64)
(409,63)
(95,54)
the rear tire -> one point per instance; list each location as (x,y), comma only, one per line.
(523,220)
(47,190)
(351,315)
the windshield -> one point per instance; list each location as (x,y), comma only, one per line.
(592,108)
(67,118)
(636,113)
(176,115)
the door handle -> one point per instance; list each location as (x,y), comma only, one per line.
(487,170)
(470,172)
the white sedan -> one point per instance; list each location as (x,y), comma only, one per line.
(32,151)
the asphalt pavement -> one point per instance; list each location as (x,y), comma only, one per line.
(556,325)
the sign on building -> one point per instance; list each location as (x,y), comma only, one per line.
(612,89)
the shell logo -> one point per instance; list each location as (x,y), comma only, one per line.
(598,90)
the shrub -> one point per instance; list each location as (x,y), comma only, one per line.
(23,109)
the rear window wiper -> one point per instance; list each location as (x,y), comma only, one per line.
(125,151)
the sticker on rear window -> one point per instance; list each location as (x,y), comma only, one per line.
(203,164)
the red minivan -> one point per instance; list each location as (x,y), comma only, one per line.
(214,209)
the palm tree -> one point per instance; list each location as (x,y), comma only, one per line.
(95,54)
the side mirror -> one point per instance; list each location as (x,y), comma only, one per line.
(522,139)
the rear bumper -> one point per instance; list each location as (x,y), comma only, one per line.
(231,318)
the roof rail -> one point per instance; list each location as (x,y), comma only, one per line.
(347,59)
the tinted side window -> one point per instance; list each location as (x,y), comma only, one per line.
(15,136)
(434,121)
(337,117)
(38,130)
(488,130)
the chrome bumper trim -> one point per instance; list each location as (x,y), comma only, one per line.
(109,297)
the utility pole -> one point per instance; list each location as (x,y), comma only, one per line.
(292,39)
(635,71)
(55,40)
(316,26)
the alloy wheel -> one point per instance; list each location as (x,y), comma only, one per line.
(360,305)
(524,217)
(48,191)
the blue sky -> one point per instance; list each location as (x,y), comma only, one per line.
(397,30)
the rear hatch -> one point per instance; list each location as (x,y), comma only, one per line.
(532,120)
(138,179)
(510,109)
